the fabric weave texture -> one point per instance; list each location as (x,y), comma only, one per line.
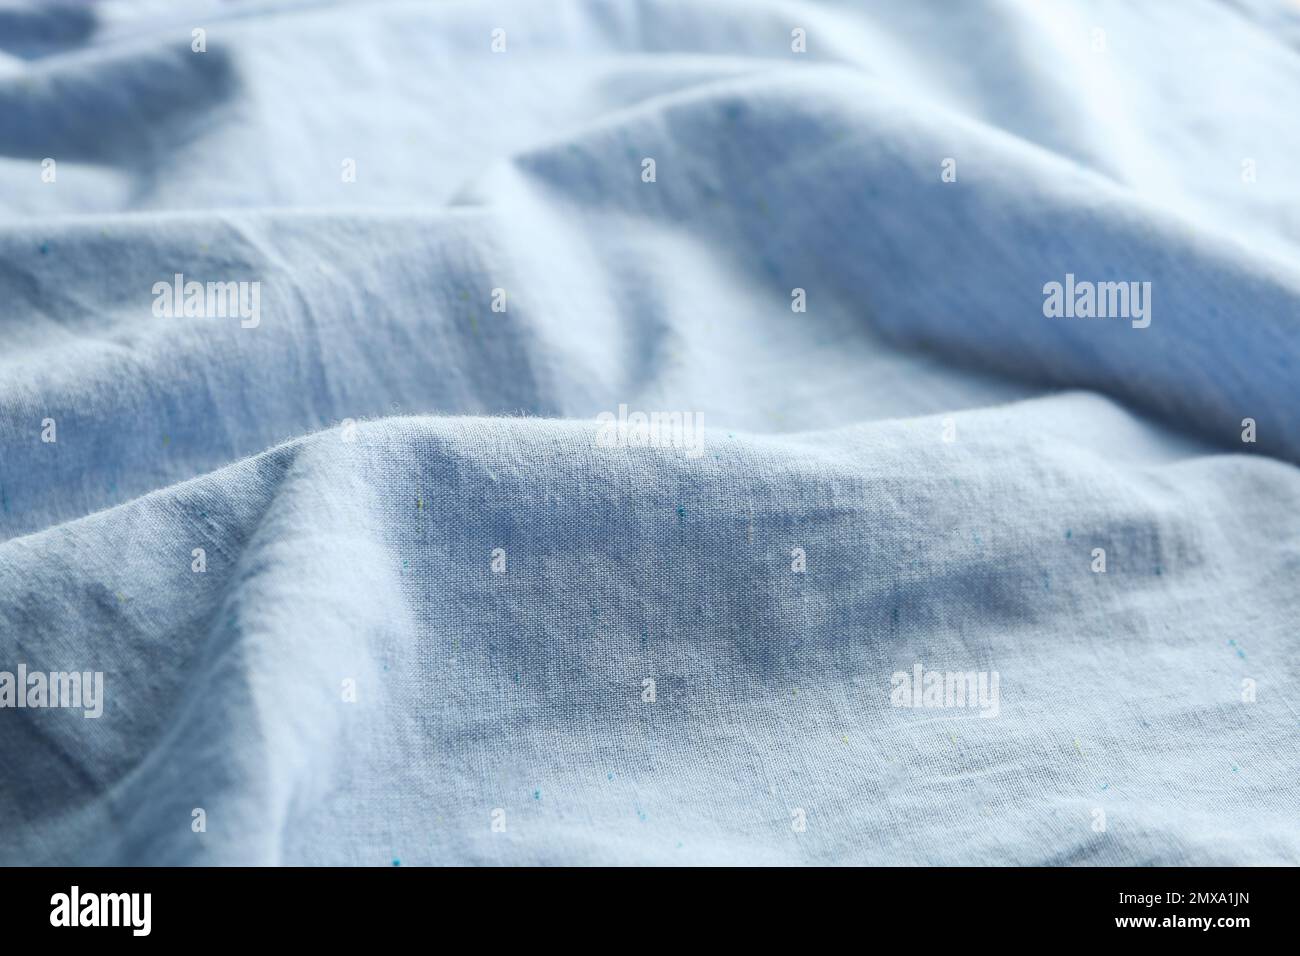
(438,622)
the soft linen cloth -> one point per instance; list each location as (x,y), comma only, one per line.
(367,586)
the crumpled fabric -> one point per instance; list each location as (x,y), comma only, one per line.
(437,620)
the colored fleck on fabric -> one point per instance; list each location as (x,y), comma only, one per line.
(650,432)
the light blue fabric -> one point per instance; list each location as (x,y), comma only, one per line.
(433,607)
